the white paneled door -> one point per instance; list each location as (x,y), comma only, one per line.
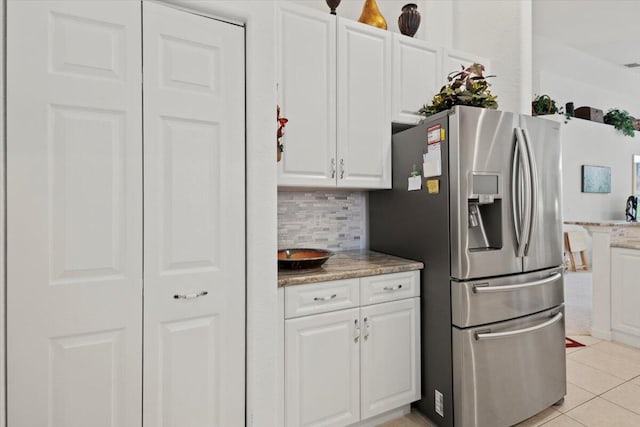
(74,214)
(194,260)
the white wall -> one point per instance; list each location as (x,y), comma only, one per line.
(589,143)
(569,75)
(501,31)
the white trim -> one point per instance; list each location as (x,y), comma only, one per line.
(3,195)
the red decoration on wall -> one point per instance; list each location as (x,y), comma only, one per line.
(282,121)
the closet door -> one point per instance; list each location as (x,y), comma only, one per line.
(194,220)
(74,214)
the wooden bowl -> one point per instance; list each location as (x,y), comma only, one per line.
(302,258)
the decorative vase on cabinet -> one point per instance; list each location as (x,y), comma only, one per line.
(333,4)
(409,19)
(371,15)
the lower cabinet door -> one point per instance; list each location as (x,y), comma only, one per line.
(322,368)
(390,356)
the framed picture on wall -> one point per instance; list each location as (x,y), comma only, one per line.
(635,175)
(596,179)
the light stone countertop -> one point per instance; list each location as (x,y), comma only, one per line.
(604,223)
(346,265)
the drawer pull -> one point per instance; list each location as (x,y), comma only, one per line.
(488,335)
(484,287)
(190,296)
(392,288)
(325,298)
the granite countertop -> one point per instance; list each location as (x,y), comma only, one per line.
(346,265)
(605,223)
(626,245)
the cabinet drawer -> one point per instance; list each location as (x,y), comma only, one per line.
(389,287)
(320,297)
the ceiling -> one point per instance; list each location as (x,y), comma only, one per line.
(607,29)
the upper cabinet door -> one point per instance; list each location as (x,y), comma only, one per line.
(416,77)
(307,96)
(454,61)
(194,219)
(74,214)
(364,106)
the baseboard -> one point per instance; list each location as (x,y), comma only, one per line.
(384,417)
(628,339)
(601,334)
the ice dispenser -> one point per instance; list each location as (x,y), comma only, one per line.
(485,212)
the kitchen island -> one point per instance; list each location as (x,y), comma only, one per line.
(609,319)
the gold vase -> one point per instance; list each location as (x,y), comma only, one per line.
(371,15)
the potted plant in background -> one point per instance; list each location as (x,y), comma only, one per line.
(543,105)
(466,87)
(621,120)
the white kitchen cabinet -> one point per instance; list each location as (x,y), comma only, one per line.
(416,77)
(454,60)
(307,96)
(389,356)
(364,106)
(334,78)
(322,369)
(625,293)
(92,217)
(347,365)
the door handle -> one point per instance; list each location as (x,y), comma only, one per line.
(485,288)
(341,168)
(356,331)
(366,329)
(333,167)
(488,335)
(526,166)
(191,296)
(534,189)
(392,288)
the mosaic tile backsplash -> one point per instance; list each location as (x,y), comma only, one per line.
(334,220)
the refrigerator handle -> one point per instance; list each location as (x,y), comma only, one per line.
(535,188)
(488,335)
(525,221)
(515,193)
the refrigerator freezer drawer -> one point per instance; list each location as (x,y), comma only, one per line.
(506,372)
(478,302)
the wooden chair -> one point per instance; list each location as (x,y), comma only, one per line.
(575,241)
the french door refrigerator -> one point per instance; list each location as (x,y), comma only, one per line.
(486,222)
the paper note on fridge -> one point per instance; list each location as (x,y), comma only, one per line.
(415,183)
(432,165)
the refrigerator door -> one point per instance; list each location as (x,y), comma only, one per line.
(478,302)
(544,246)
(483,230)
(506,372)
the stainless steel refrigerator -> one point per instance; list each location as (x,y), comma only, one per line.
(486,223)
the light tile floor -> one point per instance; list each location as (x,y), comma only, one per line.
(603,390)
